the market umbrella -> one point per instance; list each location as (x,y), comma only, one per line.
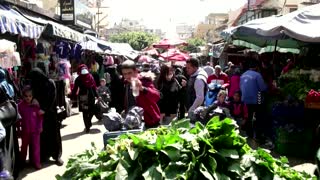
(302,25)
(145,59)
(175,55)
(169,43)
(247,35)
(150,51)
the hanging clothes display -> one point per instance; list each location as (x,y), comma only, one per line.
(62,49)
(8,55)
(63,69)
(76,52)
(28,50)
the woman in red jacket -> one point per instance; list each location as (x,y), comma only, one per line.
(140,91)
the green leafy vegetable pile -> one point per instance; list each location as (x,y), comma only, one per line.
(215,151)
(297,85)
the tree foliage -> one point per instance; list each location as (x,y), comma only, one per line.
(137,40)
(193,45)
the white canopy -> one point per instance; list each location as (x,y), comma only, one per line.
(302,25)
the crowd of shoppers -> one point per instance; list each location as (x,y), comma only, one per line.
(169,93)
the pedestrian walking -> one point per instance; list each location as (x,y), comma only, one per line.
(252,86)
(234,82)
(140,91)
(87,94)
(169,88)
(44,90)
(197,85)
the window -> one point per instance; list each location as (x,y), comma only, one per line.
(268,12)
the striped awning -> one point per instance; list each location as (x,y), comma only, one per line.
(58,30)
(12,22)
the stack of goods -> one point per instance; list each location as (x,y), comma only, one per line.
(313,100)
(214,151)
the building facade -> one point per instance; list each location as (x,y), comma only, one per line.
(128,25)
(184,31)
(265,8)
(210,29)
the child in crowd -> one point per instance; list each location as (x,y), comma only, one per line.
(103,91)
(221,100)
(31,127)
(239,110)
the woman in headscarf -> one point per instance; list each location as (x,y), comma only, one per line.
(116,88)
(5,86)
(87,94)
(9,146)
(44,90)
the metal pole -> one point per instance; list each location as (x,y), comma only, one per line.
(98,21)
(247,15)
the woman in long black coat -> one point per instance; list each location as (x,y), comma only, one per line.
(116,88)
(44,90)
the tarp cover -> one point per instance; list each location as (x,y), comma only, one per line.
(302,25)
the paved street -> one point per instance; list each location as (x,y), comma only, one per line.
(74,140)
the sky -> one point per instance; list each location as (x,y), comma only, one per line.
(164,13)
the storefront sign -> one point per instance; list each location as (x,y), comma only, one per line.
(67,10)
(83,15)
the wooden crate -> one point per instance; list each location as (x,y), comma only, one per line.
(312,105)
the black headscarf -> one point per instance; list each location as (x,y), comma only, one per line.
(36,75)
(43,88)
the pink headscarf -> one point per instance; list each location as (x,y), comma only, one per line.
(86,79)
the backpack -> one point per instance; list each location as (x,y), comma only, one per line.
(211,95)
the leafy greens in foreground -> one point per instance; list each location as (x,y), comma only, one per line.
(215,151)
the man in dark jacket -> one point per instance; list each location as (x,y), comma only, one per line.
(140,91)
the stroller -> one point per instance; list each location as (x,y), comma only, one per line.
(211,96)
(102,106)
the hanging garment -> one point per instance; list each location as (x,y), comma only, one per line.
(63,68)
(62,49)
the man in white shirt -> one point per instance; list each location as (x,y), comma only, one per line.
(197,85)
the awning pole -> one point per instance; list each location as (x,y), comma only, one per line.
(275,50)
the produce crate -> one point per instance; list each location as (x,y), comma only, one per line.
(113,134)
(296,143)
(312,105)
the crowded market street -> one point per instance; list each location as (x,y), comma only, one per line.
(149,89)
